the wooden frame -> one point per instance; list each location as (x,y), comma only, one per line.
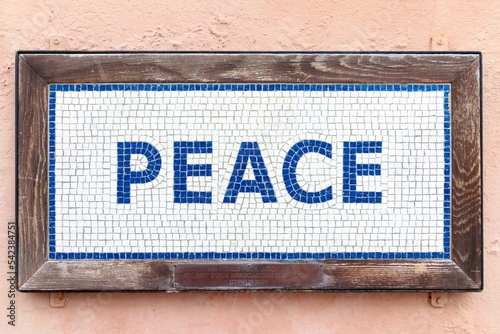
(35,70)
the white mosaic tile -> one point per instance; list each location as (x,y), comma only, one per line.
(249,171)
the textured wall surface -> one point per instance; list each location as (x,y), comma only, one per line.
(253,25)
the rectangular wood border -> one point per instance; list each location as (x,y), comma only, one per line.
(35,70)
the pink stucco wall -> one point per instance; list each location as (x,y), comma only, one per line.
(254,25)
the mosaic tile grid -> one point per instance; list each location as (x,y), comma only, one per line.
(249,171)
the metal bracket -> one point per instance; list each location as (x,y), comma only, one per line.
(57,299)
(57,42)
(438,299)
(439,42)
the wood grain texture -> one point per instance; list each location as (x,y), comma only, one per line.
(32,182)
(396,275)
(35,71)
(159,276)
(466,172)
(223,67)
(101,276)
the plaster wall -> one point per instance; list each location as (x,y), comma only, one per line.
(292,25)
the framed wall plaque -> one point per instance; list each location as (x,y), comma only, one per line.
(228,171)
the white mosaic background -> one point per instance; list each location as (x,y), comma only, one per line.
(410,125)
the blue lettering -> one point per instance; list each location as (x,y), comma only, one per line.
(249,152)
(183,170)
(261,184)
(126,176)
(351,170)
(290,171)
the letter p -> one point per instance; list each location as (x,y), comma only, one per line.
(125,174)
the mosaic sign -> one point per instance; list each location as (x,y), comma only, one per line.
(255,183)
(249,171)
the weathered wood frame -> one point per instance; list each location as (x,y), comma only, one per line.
(35,70)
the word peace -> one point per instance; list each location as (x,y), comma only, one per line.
(249,153)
